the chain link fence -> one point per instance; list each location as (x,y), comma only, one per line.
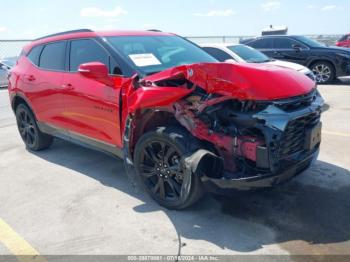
(12,48)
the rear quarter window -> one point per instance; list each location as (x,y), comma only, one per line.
(34,54)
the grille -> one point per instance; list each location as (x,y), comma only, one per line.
(293,139)
(297,102)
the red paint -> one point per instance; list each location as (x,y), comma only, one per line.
(88,102)
(246,146)
(345,42)
(243,81)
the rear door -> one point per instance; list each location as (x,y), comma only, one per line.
(92,108)
(42,81)
(290,50)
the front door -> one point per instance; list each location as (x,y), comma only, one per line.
(289,50)
(91,108)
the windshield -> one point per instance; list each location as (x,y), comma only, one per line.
(151,54)
(310,42)
(249,54)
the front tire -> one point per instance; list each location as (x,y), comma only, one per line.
(324,72)
(33,138)
(159,161)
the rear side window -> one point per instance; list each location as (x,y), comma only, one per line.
(53,56)
(262,43)
(34,54)
(285,43)
(217,53)
(85,51)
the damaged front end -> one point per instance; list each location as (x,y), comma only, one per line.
(259,125)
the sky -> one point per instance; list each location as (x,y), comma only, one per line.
(30,19)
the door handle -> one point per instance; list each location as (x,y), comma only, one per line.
(277,53)
(30,78)
(68,86)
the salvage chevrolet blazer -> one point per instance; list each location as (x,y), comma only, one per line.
(183,122)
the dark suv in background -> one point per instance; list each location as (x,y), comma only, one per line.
(327,63)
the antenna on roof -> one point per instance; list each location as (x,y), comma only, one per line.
(154,30)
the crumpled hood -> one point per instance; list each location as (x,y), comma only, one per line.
(242,80)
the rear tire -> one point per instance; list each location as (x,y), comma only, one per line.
(31,135)
(159,162)
(324,72)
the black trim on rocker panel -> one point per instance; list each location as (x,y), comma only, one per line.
(80,139)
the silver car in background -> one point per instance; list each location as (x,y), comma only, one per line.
(239,53)
(5,67)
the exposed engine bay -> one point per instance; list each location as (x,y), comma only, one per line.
(249,136)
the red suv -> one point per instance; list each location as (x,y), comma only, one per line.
(183,122)
(344,41)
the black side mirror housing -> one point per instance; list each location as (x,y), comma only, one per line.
(297,48)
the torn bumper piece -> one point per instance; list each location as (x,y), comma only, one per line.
(204,162)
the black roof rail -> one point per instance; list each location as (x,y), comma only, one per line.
(154,30)
(64,33)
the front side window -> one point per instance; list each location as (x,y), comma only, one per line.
(308,41)
(151,54)
(284,43)
(217,53)
(53,56)
(85,51)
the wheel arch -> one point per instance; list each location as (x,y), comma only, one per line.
(144,121)
(316,60)
(19,99)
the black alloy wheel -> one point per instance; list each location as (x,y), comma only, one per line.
(161,170)
(33,138)
(159,161)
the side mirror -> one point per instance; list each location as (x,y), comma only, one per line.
(96,71)
(297,48)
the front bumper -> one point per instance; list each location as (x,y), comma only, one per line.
(288,133)
(226,184)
